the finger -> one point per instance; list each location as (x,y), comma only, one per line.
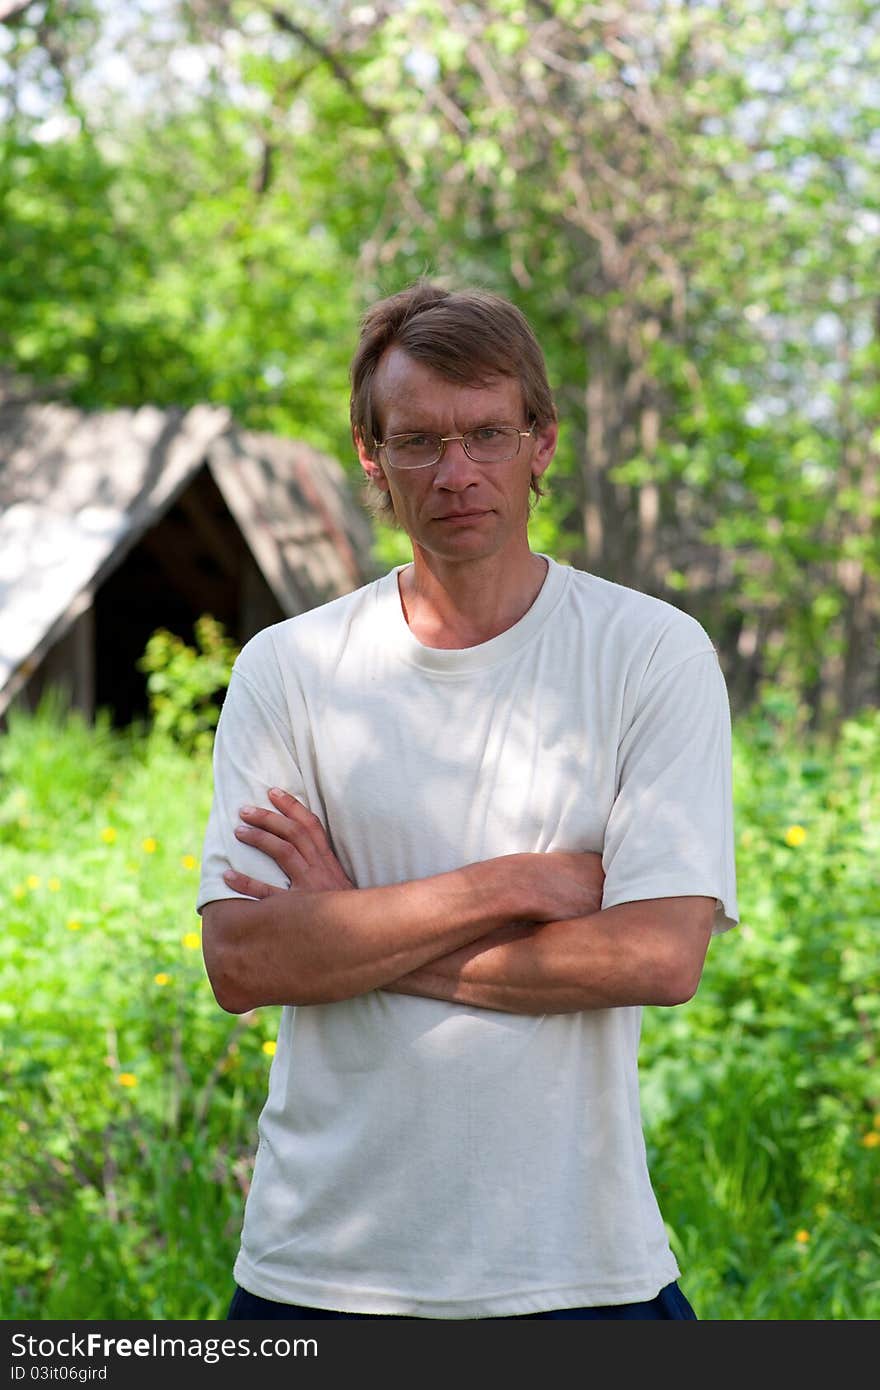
(303,818)
(294,829)
(250,887)
(285,853)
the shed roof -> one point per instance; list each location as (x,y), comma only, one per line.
(78,489)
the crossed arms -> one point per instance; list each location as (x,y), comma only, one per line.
(523,933)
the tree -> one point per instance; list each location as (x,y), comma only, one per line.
(682,197)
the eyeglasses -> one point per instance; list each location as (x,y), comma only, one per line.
(485,444)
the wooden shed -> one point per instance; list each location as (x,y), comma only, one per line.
(116,523)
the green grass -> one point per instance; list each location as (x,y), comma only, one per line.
(762,1095)
(129,1100)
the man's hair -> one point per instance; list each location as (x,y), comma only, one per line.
(469,336)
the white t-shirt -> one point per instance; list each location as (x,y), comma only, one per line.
(438,1160)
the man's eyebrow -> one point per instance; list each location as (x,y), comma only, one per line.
(433,429)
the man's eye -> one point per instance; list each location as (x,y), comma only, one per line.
(416,441)
(485,432)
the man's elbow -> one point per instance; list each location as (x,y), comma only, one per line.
(678,974)
(678,985)
(242,965)
(224,975)
(226,961)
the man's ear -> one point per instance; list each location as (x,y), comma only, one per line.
(546,439)
(371,466)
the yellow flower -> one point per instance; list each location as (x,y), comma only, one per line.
(192,941)
(73,924)
(871,1139)
(19,892)
(189,861)
(148,845)
(108,834)
(795,835)
(802,1237)
(53,885)
(33,881)
(161,978)
(269,1048)
(127,1078)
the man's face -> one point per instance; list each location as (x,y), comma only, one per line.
(455,509)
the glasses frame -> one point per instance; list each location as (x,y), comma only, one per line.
(450,439)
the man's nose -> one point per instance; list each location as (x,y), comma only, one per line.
(454,469)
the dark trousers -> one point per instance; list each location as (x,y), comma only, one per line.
(669,1303)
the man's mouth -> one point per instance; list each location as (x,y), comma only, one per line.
(469,515)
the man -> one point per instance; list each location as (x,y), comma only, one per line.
(467,821)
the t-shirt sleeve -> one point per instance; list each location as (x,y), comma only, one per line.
(670,832)
(253,751)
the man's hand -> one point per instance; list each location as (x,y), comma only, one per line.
(559,884)
(296,840)
(563,883)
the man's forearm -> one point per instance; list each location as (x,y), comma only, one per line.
(320,947)
(318,942)
(635,953)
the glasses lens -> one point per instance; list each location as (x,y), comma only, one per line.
(486,444)
(492,443)
(413,450)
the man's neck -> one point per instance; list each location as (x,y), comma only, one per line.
(467,603)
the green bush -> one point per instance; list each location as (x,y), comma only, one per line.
(185,684)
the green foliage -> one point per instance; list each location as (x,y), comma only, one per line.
(46,781)
(762,1093)
(183,682)
(129,1100)
(686,206)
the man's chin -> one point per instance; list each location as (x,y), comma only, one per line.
(460,547)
